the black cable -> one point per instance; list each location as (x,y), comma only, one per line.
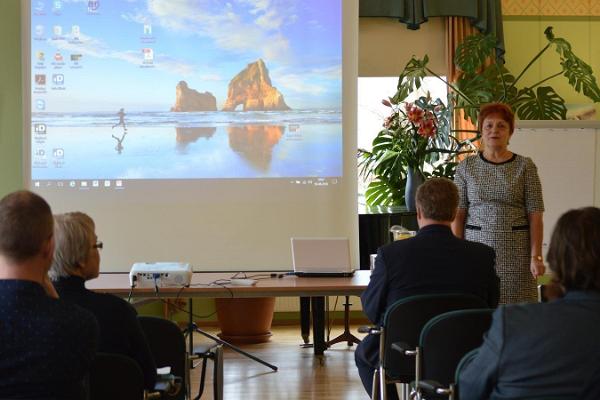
(330,316)
(188,312)
(130,293)
(133,281)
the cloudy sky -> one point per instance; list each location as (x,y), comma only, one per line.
(204,42)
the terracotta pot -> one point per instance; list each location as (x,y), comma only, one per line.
(246,320)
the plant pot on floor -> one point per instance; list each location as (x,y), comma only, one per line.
(245,320)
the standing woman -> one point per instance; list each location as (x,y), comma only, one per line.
(501,205)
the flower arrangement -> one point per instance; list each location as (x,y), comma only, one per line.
(416,142)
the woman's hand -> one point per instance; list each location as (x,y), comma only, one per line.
(537,267)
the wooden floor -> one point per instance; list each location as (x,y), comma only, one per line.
(300,376)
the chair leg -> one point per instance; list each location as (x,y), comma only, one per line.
(188,382)
(382,386)
(202,378)
(218,373)
(375,386)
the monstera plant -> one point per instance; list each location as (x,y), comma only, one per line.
(479,84)
(391,160)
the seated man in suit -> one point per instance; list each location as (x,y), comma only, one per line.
(434,261)
(547,349)
(46,345)
(76,260)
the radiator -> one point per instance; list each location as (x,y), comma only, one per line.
(292,304)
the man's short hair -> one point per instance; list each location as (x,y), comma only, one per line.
(73,233)
(438,199)
(574,252)
(25,224)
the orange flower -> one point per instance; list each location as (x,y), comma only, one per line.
(427,128)
(414,113)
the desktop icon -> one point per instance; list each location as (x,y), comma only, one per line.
(40,104)
(72,183)
(40,153)
(40,79)
(106,183)
(58,79)
(84,183)
(39,6)
(148,55)
(57,6)
(58,153)
(39,129)
(76,57)
(39,55)
(57,30)
(58,57)
(119,183)
(147,29)
(36,184)
(95,183)
(75,31)
(39,30)
(93,5)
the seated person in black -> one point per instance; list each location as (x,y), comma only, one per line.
(434,261)
(46,345)
(76,260)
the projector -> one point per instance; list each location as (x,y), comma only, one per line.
(160,274)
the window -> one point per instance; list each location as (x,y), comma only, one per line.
(371,112)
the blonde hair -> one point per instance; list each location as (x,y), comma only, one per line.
(73,233)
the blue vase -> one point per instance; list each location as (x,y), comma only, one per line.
(414,179)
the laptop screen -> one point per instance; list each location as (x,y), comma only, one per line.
(321,255)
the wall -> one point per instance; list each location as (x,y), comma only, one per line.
(524,37)
(10,97)
(385,46)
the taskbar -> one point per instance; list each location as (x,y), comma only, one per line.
(91,184)
(82,184)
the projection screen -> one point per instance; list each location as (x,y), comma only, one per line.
(198,131)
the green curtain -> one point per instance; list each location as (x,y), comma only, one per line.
(485,15)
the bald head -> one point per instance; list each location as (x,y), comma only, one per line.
(26,224)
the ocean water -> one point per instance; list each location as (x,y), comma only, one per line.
(202,145)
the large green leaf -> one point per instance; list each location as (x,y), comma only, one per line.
(578,72)
(501,83)
(581,78)
(477,89)
(410,78)
(545,103)
(473,51)
(383,192)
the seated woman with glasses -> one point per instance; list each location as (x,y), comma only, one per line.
(76,260)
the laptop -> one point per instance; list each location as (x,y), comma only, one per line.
(321,257)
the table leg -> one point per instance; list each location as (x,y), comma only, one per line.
(305,319)
(318,315)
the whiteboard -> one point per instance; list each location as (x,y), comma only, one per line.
(566,158)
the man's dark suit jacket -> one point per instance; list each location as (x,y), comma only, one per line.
(537,350)
(46,345)
(434,261)
(120,331)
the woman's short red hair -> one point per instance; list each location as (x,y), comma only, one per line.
(501,109)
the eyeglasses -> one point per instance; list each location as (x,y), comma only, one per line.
(98,245)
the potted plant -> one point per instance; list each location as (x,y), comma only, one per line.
(416,142)
(399,149)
